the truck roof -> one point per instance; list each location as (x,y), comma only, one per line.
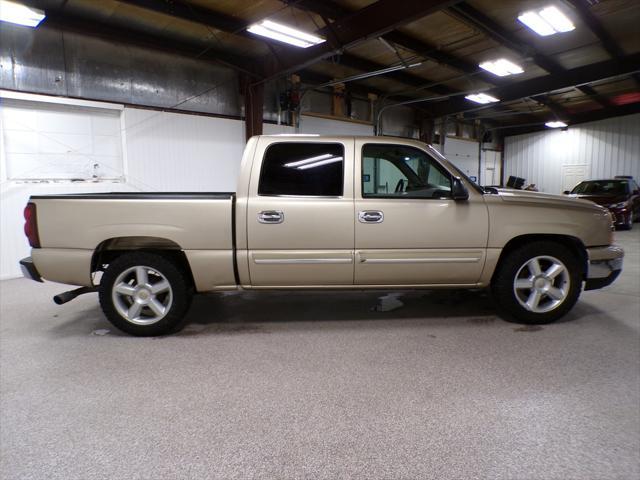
(373,138)
(316,135)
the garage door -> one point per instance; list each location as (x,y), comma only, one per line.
(43,141)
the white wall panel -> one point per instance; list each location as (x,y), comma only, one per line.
(47,141)
(608,147)
(325,126)
(272,129)
(177,152)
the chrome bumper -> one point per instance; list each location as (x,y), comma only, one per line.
(605,264)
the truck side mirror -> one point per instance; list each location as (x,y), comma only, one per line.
(459,191)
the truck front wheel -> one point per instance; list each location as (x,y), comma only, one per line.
(537,283)
(145,294)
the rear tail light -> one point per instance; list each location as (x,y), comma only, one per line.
(31,225)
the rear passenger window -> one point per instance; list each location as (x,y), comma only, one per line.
(307,169)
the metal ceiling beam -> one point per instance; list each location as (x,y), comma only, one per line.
(549,83)
(330,9)
(194,13)
(372,21)
(225,23)
(479,20)
(401,76)
(501,35)
(558,110)
(592,116)
(591,21)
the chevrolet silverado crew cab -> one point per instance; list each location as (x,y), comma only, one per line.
(315,212)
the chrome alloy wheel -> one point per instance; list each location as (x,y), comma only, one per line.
(541,284)
(142,295)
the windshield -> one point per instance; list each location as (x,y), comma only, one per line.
(601,187)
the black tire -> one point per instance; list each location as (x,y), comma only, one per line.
(514,266)
(174,299)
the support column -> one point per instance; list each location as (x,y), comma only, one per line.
(253,106)
(338,100)
(427,128)
(373,98)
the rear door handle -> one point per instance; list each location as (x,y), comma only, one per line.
(370,216)
(271,216)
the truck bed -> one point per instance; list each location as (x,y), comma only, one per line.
(73,226)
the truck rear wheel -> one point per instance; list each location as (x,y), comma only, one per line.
(537,283)
(145,294)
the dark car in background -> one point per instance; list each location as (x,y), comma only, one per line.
(621,195)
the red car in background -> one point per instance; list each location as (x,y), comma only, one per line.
(621,195)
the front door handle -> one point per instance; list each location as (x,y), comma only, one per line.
(370,216)
(271,216)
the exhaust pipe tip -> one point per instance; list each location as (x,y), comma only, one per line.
(65,297)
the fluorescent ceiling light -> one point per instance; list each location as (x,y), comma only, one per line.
(557,19)
(547,21)
(320,163)
(13,12)
(481,98)
(501,67)
(536,23)
(556,124)
(283,33)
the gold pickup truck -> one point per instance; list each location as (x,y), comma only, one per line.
(314,212)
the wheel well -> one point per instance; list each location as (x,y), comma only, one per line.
(108,250)
(574,244)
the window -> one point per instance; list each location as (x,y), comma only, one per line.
(43,141)
(307,169)
(401,171)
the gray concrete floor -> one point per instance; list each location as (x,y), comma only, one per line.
(281,386)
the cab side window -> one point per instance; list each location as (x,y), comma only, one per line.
(303,169)
(403,172)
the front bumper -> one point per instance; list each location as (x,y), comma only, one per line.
(605,265)
(29,270)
